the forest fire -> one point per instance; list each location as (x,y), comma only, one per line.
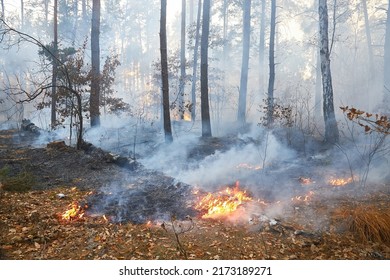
(303,198)
(248,166)
(222,203)
(75,212)
(339,182)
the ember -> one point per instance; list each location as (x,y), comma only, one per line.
(305,181)
(303,198)
(223,202)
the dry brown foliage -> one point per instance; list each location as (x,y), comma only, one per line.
(367,223)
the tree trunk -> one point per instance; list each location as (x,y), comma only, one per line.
(225,41)
(55,65)
(369,48)
(46,3)
(331,130)
(204,88)
(21,14)
(245,61)
(2,10)
(386,68)
(271,82)
(75,24)
(191,11)
(318,86)
(262,48)
(94,102)
(195,66)
(182,60)
(164,72)
(84,10)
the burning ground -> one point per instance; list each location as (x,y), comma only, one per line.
(89,205)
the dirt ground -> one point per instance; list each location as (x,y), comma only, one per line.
(32,226)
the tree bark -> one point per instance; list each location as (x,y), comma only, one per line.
(245,62)
(182,60)
(195,66)
(331,130)
(55,65)
(94,101)
(271,81)
(164,72)
(204,88)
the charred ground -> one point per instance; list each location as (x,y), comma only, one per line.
(31,227)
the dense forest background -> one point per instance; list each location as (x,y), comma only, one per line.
(129,60)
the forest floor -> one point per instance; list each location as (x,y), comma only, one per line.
(32,225)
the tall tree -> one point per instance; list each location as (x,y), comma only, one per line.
(386,68)
(262,47)
(204,87)
(95,65)
(2,10)
(331,130)
(182,60)
(369,45)
(245,61)
(271,82)
(55,65)
(164,72)
(21,14)
(195,65)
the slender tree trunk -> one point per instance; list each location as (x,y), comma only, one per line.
(369,48)
(225,41)
(191,11)
(94,101)
(164,72)
(2,10)
(195,66)
(182,60)
(386,67)
(262,48)
(204,88)
(241,117)
(318,86)
(368,38)
(75,24)
(331,130)
(46,3)
(21,14)
(271,82)
(84,10)
(55,65)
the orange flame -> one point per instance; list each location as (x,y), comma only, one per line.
(303,198)
(74,212)
(341,181)
(223,202)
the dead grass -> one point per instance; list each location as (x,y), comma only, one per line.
(367,223)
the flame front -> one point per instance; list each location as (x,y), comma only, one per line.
(341,181)
(222,203)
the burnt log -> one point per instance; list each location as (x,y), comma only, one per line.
(29,126)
